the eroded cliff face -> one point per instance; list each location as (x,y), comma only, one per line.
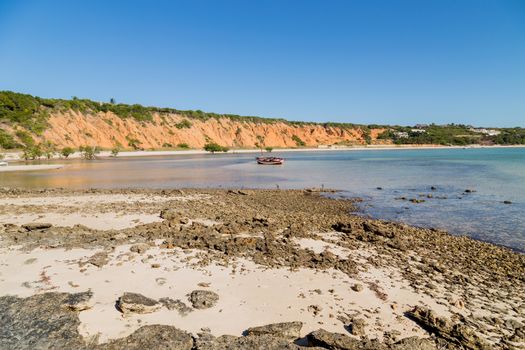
(108,130)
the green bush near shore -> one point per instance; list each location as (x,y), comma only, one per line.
(67,151)
(214,147)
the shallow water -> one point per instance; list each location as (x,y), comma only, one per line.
(495,174)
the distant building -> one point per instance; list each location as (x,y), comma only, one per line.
(489,132)
(401,134)
(418,130)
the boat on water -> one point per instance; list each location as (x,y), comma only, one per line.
(3,163)
(270,160)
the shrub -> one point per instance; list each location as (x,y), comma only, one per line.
(269,149)
(7,141)
(298,141)
(67,151)
(183,124)
(89,152)
(167,145)
(214,147)
(133,142)
(48,149)
(26,139)
(115,151)
(32,152)
(183,145)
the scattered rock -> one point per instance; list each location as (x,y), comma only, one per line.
(415,343)
(203,299)
(98,259)
(357,287)
(416,200)
(285,330)
(458,333)
(170,214)
(152,337)
(137,303)
(357,327)
(335,341)
(177,304)
(139,248)
(79,301)
(315,309)
(36,226)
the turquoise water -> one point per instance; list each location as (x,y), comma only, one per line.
(494,174)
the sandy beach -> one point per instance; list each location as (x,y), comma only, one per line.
(30,167)
(204,267)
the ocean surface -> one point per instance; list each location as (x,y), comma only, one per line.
(379,177)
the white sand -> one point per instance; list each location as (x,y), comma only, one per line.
(250,296)
(8,168)
(67,211)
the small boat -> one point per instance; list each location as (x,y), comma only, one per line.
(3,163)
(270,160)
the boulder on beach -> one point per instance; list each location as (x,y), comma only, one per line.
(285,330)
(152,337)
(203,299)
(442,327)
(170,214)
(137,303)
(79,301)
(35,226)
(139,248)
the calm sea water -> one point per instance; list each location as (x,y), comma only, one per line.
(495,174)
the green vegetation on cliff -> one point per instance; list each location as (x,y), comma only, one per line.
(23,119)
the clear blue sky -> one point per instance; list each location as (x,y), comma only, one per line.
(369,61)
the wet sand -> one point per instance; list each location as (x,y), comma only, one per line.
(270,256)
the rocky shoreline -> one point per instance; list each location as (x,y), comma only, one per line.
(392,286)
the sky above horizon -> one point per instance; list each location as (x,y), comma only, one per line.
(373,62)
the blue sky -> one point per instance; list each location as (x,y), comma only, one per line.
(370,61)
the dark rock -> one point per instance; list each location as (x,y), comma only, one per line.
(98,259)
(357,327)
(458,333)
(42,321)
(433,188)
(507,202)
(357,287)
(170,214)
(37,226)
(415,200)
(262,342)
(140,248)
(337,341)
(415,343)
(285,330)
(79,301)
(203,299)
(178,305)
(137,303)
(152,337)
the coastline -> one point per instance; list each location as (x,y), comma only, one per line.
(17,156)
(270,256)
